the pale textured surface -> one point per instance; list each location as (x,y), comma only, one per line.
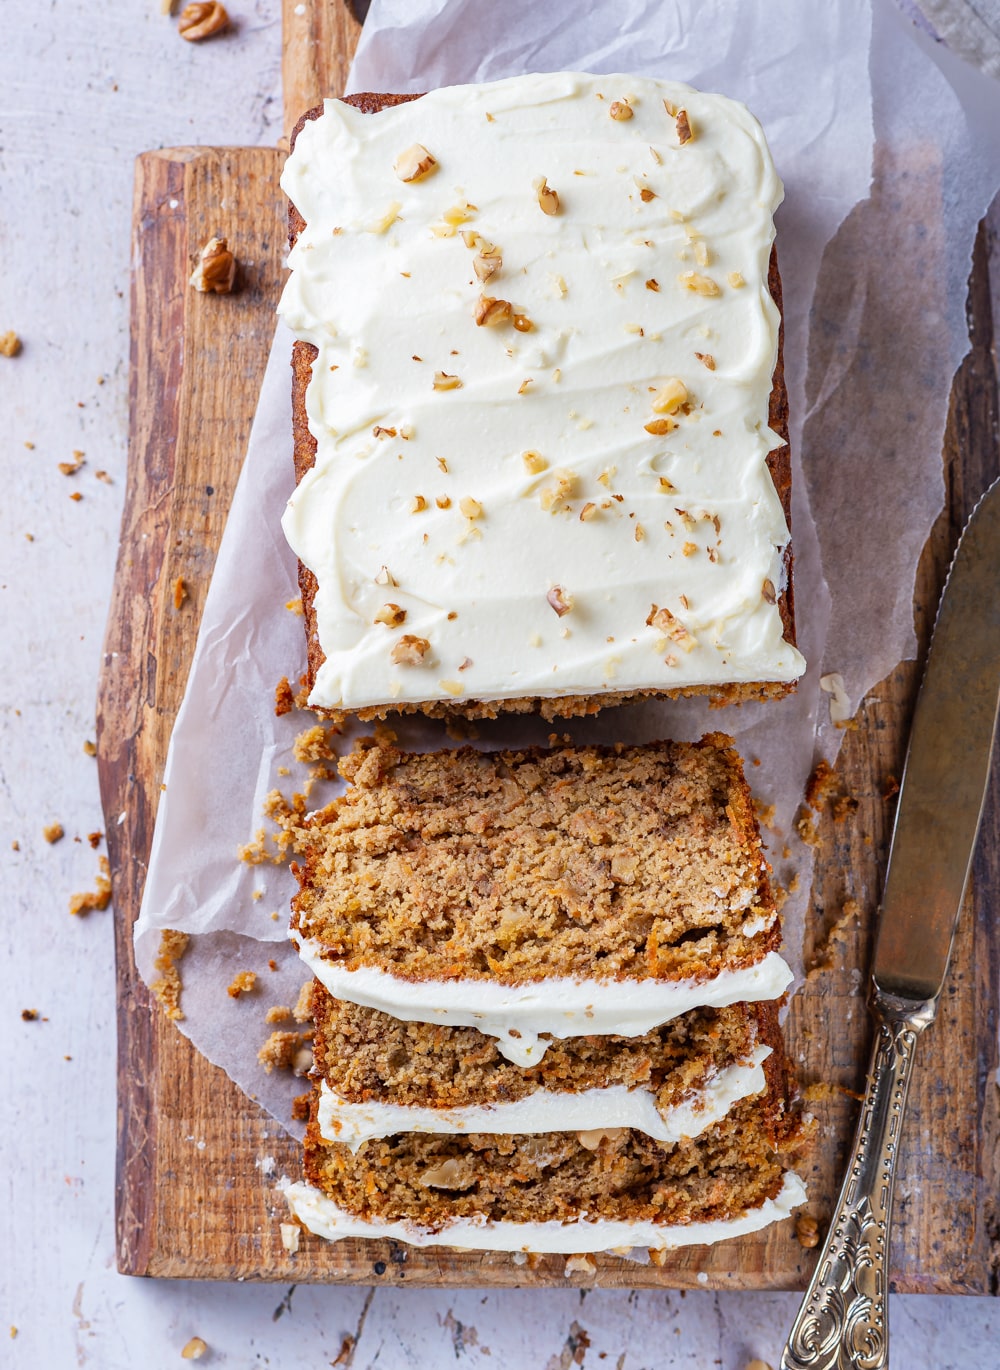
(65,248)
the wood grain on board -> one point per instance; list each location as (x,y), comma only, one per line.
(193,1198)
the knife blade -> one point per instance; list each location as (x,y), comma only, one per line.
(843,1323)
(947,767)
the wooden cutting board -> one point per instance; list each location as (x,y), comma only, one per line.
(194,1152)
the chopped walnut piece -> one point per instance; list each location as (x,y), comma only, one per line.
(180,592)
(588,512)
(201,21)
(670,626)
(561,489)
(522,323)
(243,982)
(487,263)
(10,345)
(385,577)
(418,504)
(167,989)
(89,748)
(683,125)
(415,163)
(379,432)
(442,381)
(443,501)
(465,664)
(767,591)
(525,385)
(667,487)
(70,468)
(290,1237)
(621,110)
(706,359)
(410,650)
(652,284)
(491,312)
(592,1137)
(670,396)
(382,225)
(534,462)
(807,1230)
(452,687)
(560,601)
(197,1346)
(657,428)
(701,253)
(646,194)
(392,615)
(470,507)
(54,832)
(215,273)
(548,199)
(701,285)
(580,1265)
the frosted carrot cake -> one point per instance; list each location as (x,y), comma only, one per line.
(540,417)
(540,894)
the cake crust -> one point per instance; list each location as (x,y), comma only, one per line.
(568,706)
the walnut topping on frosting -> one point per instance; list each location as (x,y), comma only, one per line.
(670,396)
(652,283)
(767,590)
(487,262)
(414,164)
(588,512)
(548,199)
(683,125)
(736,279)
(385,577)
(560,601)
(706,359)
(418,504)
(670,626)
(492,312)
(561,488)
(443,381)
(621,110)
(658,428)
(470,507)
(699,283)
(410,650)
(534,462)
(392,615)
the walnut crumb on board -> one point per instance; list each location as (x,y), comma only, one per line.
(90,748)
(53,832)
(180,592)
(167,989)
(202,21)
(197,1346)
(215,273)
(244,981)
(10,344)
(29,1015)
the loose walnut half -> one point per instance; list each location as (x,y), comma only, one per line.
(410,650)
(414,164)
(548,199)
(201,21)
(215,273)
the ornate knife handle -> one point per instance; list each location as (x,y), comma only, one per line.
(843,1323)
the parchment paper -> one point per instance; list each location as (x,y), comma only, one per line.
(874,280)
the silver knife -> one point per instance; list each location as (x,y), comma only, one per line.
(843,1323)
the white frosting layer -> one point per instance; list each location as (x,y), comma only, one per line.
(618,519)
(547,1110)
(322,1216)
(516,1015)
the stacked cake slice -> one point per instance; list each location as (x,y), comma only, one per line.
(544,1001)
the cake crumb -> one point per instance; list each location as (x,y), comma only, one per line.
(290,1237)
(300,1108)
(10,344)
(244,982)
(29,1015)
(70,468)
(284,697)
(282,1051)
(272,964)
(167,989)
(180,592)
(89,748)
(347,1345)
(278,1013)
(582,1264)
(94,838)
(15,845)
(806,828)
(103,475)
(303,1010)
(196,1347)
(294,606)
(314,745)
(824,956)
(97,900)
(53,832)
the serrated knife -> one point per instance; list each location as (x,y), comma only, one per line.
(843,1323)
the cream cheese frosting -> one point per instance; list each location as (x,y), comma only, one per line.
(547,1110)
(518,1015)
(541,419)
(327,1219)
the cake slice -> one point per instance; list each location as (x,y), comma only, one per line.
(378,1076)
(568,1191)
(538,401)
(540,894)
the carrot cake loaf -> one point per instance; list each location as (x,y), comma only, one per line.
(378,1076)
(561,1190)
(540,418)
(540,894)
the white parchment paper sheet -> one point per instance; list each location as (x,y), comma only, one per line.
(874,277)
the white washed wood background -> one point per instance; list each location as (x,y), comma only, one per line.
(83,88)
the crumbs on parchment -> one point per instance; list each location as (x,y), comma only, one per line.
(167,989)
